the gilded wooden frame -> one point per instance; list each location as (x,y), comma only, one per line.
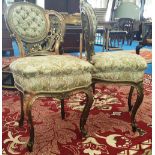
(28,97)
(89,29)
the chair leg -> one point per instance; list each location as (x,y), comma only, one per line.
(62,109)
(130,97)
(138,102)
(93,86)
(21,121)
(138,49)
(85,112)
(31,128)
(30,124)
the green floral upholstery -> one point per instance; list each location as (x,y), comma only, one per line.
(56,73)
(119,67)
(28,21)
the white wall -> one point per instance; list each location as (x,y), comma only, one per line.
(98,3)
(132,1)
(40,3)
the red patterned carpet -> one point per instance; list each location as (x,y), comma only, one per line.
(108,125)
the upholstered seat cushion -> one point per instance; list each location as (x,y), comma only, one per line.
(119,66)
(56,73)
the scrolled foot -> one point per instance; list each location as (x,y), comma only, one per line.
(30,146)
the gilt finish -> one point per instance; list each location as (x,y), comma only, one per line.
(41,75)
(56,35)
(113,68)
(30,97)
(89,26)
(32,29)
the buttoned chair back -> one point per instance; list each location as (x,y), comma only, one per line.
(38,32)
(31,27)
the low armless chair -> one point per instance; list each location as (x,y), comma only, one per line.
(113,68)
(50,45)
(40,74)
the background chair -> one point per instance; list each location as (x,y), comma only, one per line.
(117,36)
(40,73)
(126,24)
(147,36)
(121,31)
(113,68)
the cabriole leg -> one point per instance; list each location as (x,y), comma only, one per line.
(62,109)
(21,121)
(93,86)
(130,97)
(85,112)
(138,102)
(30,123)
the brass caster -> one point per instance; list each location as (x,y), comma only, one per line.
(30,146)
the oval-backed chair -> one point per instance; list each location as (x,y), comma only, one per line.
(38,73)
(113,67)
(52,44)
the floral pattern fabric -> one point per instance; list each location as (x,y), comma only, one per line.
(119,67)
(28,21)
(56,73)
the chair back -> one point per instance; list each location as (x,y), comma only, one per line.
(29,24)
(126,24)
(89,26)
(57,30)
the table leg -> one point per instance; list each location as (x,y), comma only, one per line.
(107,39)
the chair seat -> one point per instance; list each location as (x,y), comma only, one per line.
(119,67)
(56,73)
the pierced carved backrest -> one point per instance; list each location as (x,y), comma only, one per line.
(57,27)
(89,26)
(29,24)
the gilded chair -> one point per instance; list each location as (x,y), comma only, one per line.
(113,68)
(52,44)
(38,73)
